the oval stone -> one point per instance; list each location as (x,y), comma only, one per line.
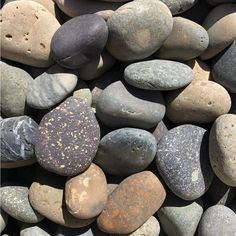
(158,75)
(68,138)
(121,105)
(128,207)
(183,162)
(126,151)
(138,29)
(79,41)
(222,148)
(51,87)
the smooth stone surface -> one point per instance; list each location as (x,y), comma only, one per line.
(183,162)
(68,138)
(14,84)
(222,148)
(83,198)
(158,75)
(121,105)
(224,69)
(3,220)
(128,207)
(217,221)
(126,151)
(138,29)
(215,23)
(199,102)
(79,41)
(15,202)
(17,140)
(33,231)
(187,41)
(22,23)
(51,87)
(160,131)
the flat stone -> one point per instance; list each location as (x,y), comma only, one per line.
(68,138)
(33,230)
(51,87)
(79,41)
(222,149)
(3,220)
(126,151)
(121,105)
(182,161)
(217,220)
(158,75)
(137,29)
(15,202)
(128,207)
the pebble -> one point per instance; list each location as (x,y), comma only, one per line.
(128,207)
(51,87)
(137,29)
(68,138)
(3,220)
(158,75)
(129,107)
(187,40)
(182,160)
(224,69)
(79,41)
(217,220)
(212,101)
(17,141)
(126,151)
(82,198)
(22,23)
(15,202)
(33,231)
(215,23)
(160,130)
(222,148)
(14,84)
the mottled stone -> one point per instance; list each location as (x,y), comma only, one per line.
(79,41)
(138,29)
(17,141)
(128,207)
(187,41)
(183,162)
(83,92)
(222,148)
(68,138)
(15,202)
(126,151)
(121,105)
(216,221)
(51,87)
(158,75)
(160,131)
(14,84)
(3,220)
(33,231)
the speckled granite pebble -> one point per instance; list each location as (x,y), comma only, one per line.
(3,220)
(68,138)
(33,231)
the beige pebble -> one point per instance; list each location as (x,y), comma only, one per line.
(83,92)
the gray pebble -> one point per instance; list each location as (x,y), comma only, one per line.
(33,231)
(160,131)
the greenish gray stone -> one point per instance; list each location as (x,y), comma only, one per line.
(3,220)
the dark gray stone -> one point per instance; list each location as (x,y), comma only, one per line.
(183,162)
(68,138)
(79,40)
(121,105)
(126,151)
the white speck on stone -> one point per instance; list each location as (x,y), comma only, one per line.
(195,175)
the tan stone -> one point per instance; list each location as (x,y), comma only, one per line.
(83,92)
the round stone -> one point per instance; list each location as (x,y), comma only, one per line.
(51,87)
(126,151)
(68,138)
(3,220)
(158,75)
(79,41)
(14,84)
(128,207)
(83,200)
(22,22)
(15,202)
(222,148)
(17,141)
(217,220)
(187,41)
(33,230)
(138,29)
(121,105)
(183,162)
